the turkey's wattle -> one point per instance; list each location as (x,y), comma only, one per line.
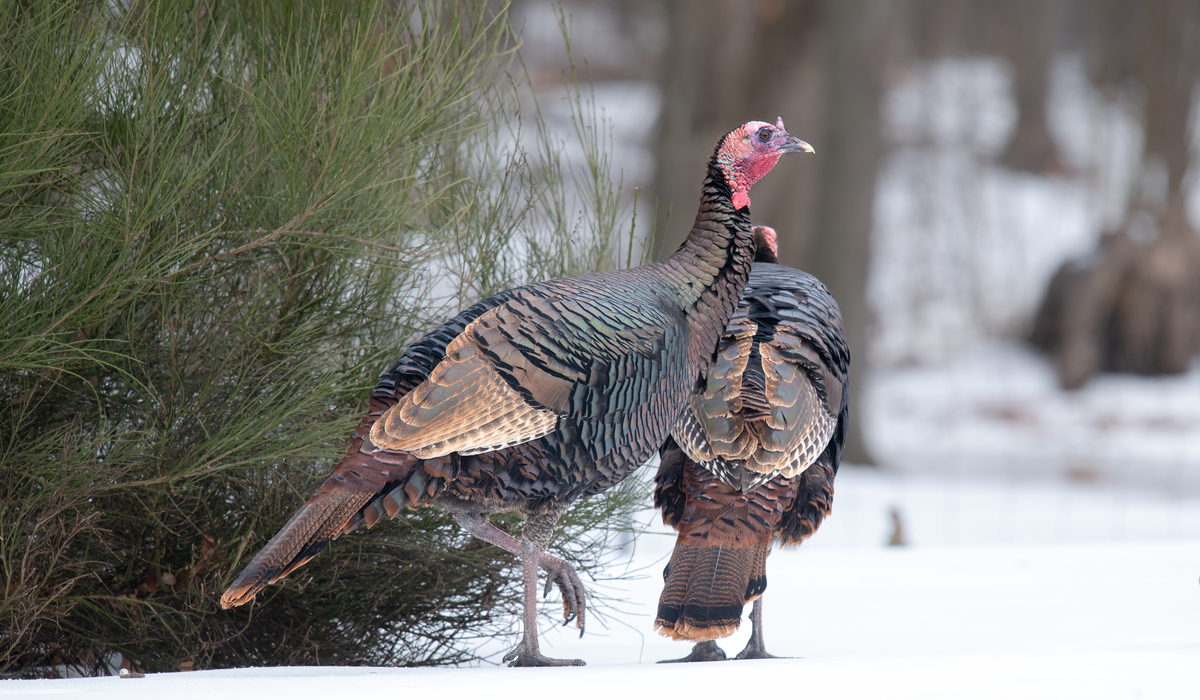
(540,395)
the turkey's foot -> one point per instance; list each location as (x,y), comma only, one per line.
(756,648)
(523,656)
(526,653)
(703,651)
(753,651)
(558,571)
(562,574)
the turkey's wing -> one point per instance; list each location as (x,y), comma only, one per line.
(464,406)
(800,422)
(514,371)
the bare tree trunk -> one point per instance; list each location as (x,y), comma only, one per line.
(1155,325)
(1078,307)
(1154,328)
(729,62)
(1027,30)
(1135,306)
(702,91)
(852,145)
(787,78)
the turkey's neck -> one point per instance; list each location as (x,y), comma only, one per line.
(714,262)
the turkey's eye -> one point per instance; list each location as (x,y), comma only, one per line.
(764,134)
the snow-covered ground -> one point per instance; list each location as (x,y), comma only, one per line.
(963,248)
(1006,590)
(998,410)
(1051,675)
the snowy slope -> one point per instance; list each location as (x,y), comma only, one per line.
(1055,612)
(1056,676)
(998,410)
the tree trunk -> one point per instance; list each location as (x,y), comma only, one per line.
(1155,324)
(818,65)
(1077,309)
(852,143)
(702,94)
(1027,30)
(1135,306)
(728,63)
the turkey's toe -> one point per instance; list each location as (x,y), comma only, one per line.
(570,586)
(749,653)
(703,651)
(520,658)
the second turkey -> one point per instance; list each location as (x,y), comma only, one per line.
(753,456)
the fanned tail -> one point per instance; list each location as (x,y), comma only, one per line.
(707,587)
(720,558)
(719,562)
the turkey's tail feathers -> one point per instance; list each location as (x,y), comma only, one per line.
(306,534)
(364,486)
(720,558)
(707,587)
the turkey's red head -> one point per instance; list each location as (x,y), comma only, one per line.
(750,151)
(766,244)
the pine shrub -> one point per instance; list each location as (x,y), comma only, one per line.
(218,222)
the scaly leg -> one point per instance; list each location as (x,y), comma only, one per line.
(756,648)
(526,653)
(703,651)
(559,572)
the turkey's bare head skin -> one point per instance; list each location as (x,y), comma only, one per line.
(750,151)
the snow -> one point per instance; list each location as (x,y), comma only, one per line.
(998,410)
(962,252)
(1049,605)
(962,247)
(1106,674)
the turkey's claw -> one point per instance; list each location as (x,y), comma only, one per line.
(569,584)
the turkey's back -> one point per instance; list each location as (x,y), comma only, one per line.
(777,385)
(617,347)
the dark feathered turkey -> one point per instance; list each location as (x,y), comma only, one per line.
(754,454)
(541,394)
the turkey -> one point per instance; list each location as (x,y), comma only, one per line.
(540,395)
(754,454)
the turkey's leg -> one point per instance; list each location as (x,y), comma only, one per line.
(703,651)
(756,648)
(559,572)
(526,653)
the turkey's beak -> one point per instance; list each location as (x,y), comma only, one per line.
(795,145)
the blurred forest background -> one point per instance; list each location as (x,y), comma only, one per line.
(1002,201)
(219,222)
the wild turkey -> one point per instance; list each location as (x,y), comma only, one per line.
(754,454)
(541,394)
